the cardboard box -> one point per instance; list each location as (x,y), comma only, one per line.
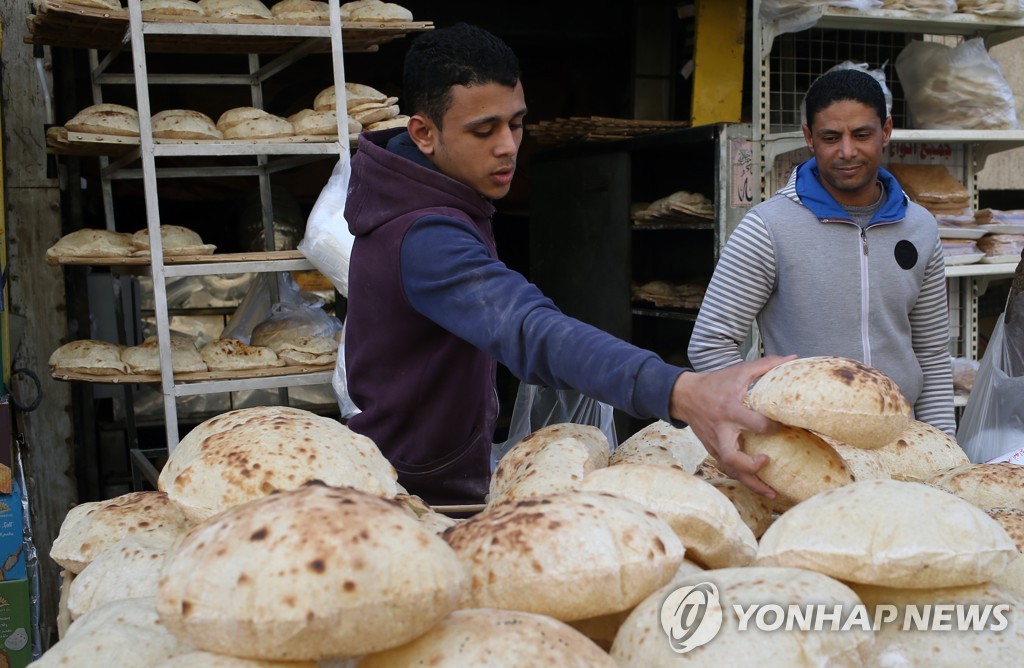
(15,624)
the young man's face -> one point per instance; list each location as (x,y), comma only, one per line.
(848,140)
(481,134)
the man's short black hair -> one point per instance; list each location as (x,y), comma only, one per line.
(845,84)
(461,55)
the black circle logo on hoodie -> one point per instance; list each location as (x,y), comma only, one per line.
(906,254)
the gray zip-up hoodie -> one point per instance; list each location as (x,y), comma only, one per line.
(819,284)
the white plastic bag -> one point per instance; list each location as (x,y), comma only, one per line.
(327,242)
(339,381)
(960,87)
(993,422)
(538,406)
(328,245)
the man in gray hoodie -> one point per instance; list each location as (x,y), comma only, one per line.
(839,261)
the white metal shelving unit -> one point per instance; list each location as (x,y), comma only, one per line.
(873,36)
(269,157)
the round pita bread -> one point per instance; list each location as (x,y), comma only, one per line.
(918,646)
(706,522)
(337,572)
(657,440)
(266,127)
(374,115)
(236,115)
(889,533)
(754,509)
(326,100)
(145,357)
(233,355)
(374,10)
(835,396)
(90,243)
(800,464)
(90,528)
(552,459)
(310,122)
(155,8)
(175,240)
(248,453)
(862,464)
(90,356)
(569,556)
(496,639)
(642,643)
(121,633)
(1012,521)
(184,123)
(130,568)
(920,451)
(236,9)
(998,485)
(106,119)
(300,10)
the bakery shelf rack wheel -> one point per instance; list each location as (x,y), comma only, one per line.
(784,65)
(56,23)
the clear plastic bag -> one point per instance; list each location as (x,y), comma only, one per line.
(993,422)
(327,243)
(538,406)
(959,87)
(339,381)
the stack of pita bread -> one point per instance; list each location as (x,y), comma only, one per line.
(369,107)
(374,10)
(106,119)
(90,243)
(88,356)
(933,187)
(679,207)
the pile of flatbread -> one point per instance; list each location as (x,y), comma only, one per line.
(285,11)
(90,243)
(101,358)
(280,536)
(673,295)
(367,106)
(933,187)
(679,207)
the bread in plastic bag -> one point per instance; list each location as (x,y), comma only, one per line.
(958,87)
(993,421)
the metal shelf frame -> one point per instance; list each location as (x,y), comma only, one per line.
(287,154)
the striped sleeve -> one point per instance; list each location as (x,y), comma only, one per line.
(929,326)
(740,286)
